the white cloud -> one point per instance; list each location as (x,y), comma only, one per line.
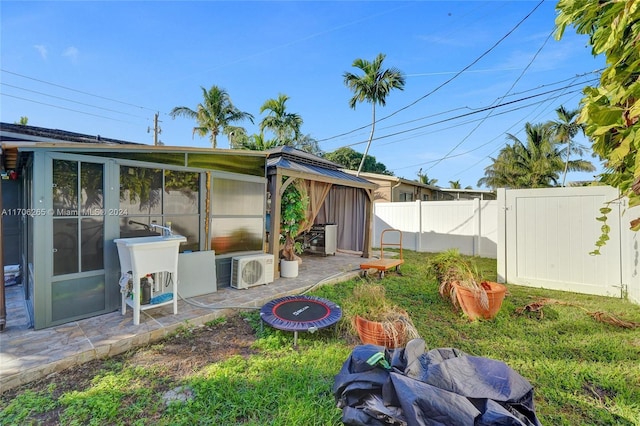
(71,53)
(42,50)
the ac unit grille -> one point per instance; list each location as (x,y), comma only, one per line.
(253,270)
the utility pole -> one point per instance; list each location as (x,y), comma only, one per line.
(156,130)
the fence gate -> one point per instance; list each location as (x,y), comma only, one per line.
(548,234)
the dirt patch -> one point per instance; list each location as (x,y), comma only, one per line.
(597,392)
(171,359)
(191,349)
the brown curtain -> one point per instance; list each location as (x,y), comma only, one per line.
(346,207)
(317,192)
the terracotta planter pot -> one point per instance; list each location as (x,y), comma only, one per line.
(470,304)
(374,332)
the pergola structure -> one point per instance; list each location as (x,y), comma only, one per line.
(352,209)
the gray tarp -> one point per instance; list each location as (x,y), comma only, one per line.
(436,387)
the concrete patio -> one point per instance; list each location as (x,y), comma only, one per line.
(27,355)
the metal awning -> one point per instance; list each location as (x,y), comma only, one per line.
(308,171)
(295,163)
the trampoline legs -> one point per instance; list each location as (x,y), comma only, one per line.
(295,339)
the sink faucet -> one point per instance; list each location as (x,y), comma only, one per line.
(166,230)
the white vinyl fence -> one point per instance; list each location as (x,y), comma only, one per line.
(540,237)
(630,260)
(546,236)
(434,226)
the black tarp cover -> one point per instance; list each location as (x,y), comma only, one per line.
(438,387)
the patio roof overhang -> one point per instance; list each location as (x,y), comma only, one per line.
(17,139)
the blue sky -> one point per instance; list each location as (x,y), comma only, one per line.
(105,68)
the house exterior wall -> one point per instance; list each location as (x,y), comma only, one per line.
(452,194)
(393,190)
(406,191)
(382,192)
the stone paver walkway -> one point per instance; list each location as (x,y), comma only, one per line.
(27,354)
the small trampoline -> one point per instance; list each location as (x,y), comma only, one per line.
(300,313)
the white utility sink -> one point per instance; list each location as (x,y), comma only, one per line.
(148,254)
(140,256)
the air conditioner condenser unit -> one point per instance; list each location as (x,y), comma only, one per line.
(252,270)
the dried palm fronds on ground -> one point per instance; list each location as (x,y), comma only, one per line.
(610,319)
(598,316)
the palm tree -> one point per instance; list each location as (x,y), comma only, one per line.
(455,184)
(535,163)
(566,128)
(216,114)
(257,142)
(502,173)
(373,87)
(424,179)
(237,136)
(285,125)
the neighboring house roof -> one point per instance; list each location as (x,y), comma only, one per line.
(19,132)
(466,191)
(301,162)
(393,179)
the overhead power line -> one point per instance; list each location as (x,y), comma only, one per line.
(447,81)
(500,100)
(518,108)
(64,108)
(448,156)
(72,101)
(572,79)
(458,124)
(483,145)
(480,110)
(78,91)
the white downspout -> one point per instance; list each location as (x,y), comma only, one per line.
(392,188)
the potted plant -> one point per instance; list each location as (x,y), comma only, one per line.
(375,319)
(462,283)
(293,212)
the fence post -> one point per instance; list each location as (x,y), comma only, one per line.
(502,235)
(418,225)
(477,227)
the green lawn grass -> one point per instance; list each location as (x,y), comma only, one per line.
(584,371)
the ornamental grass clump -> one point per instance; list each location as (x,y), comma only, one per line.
(369,302)
(450,268)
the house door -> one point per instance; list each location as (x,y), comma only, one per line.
(77,227)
